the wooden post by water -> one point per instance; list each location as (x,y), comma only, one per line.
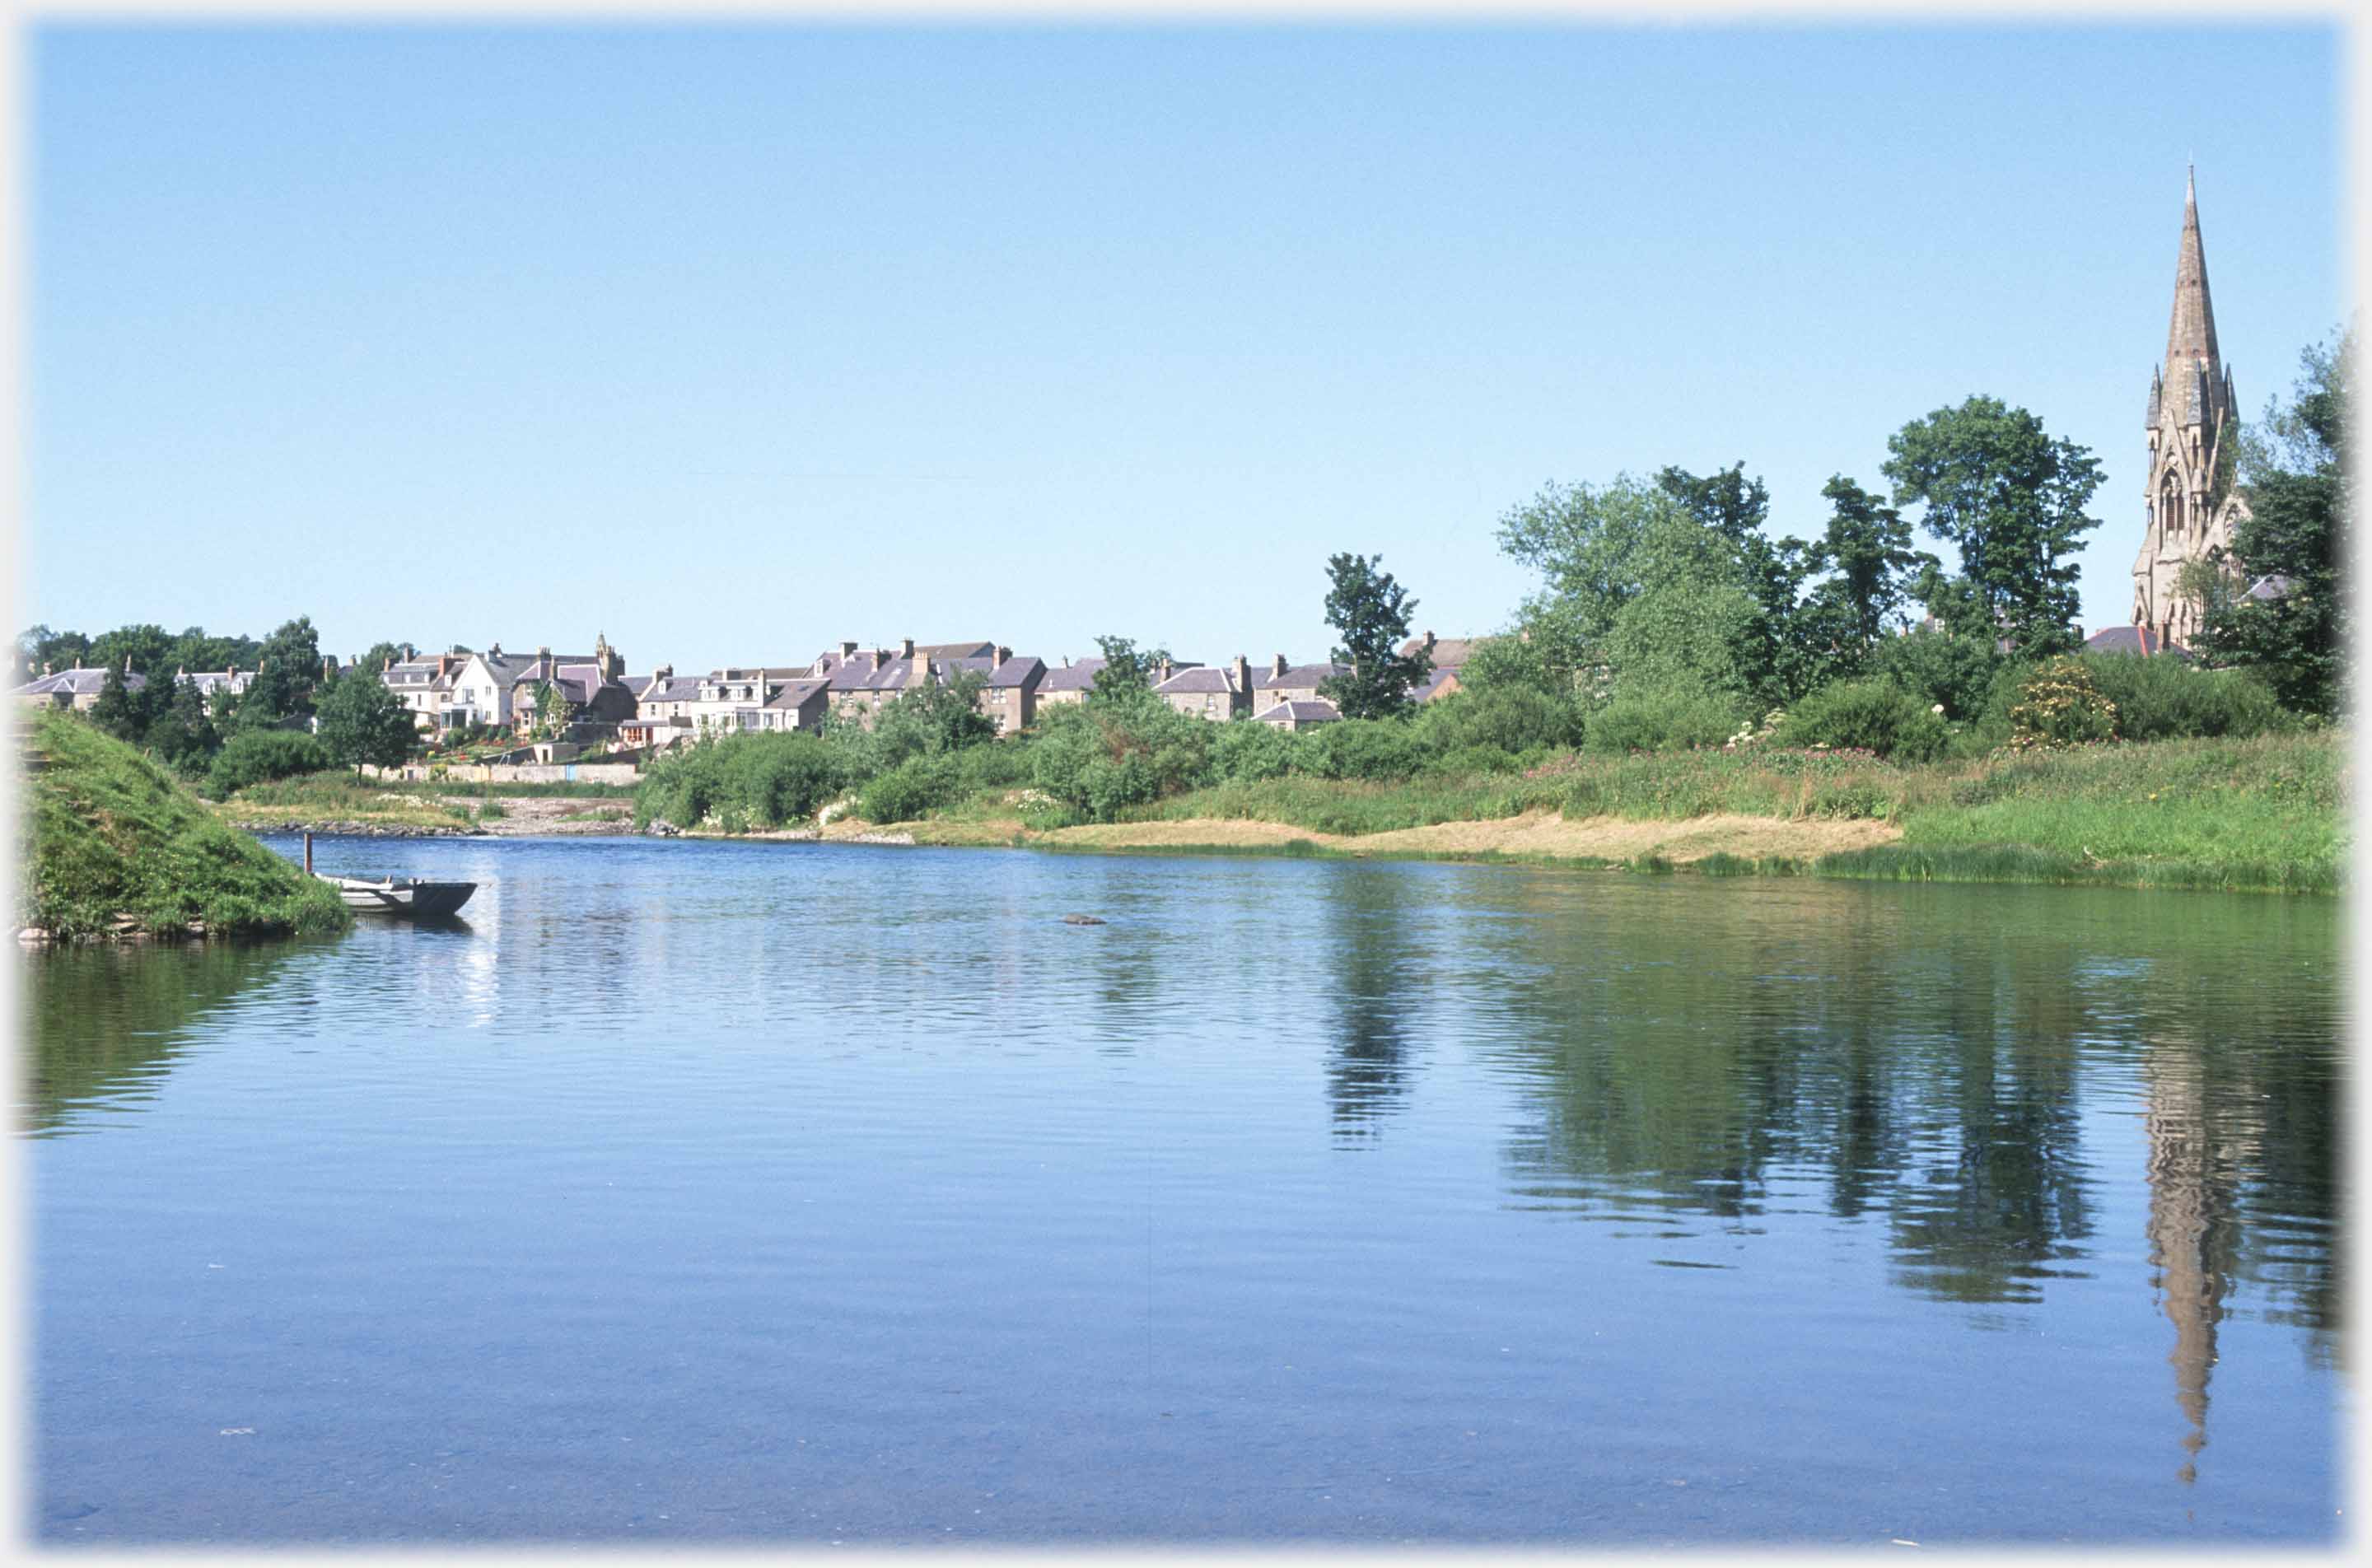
(308,854)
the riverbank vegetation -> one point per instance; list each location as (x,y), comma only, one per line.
(111,844)
(1680,660)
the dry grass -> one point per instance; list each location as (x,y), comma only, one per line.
(1535,834)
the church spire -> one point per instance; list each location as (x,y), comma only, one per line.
(2191,334)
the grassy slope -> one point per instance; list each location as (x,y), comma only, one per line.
(2266,814)
(112,834)
(341,797)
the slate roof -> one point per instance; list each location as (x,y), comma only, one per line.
(1016,671)
(1431,688)
(1265,679)
(2270,586)
(78,681)
(1302,711)
(674,688)
(796,693)
(2133,640)
(1076,676)
(1198,678)
(1449,653)
(956,650)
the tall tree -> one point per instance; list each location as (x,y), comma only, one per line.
(362,721)
(150,649)
(287,667)
(2293,474)
(118,710)
(1371,611)
(1637,590)
(1769,652)
(1999,486)
(1874,571)
(1127,672)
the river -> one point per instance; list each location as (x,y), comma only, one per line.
(715,1191)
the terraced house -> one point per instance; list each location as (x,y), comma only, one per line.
(1283,683)
(1217,692)
(77,688)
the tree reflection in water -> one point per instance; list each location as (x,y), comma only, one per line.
(106,1023)
(1926,1056)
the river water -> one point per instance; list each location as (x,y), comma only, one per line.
(715,1192)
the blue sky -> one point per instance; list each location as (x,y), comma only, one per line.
(734,342)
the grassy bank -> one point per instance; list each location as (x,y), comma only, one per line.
(113,844)
(341,797)
(2265,814)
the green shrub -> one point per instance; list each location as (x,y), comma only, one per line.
(1870,715)
(1362,749)
(1104,758)
(259,756)
(913,789)
(1666,721)
(1476,760)
(2165,698)
(1935,666)
(1511,718)
(1247,752)
(741,781)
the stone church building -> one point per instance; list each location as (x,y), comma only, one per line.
(2191,505)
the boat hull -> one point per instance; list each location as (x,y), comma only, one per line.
(404,898)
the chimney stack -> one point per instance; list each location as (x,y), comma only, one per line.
(906,647)
(1276,671)
(1161,672)
(1003,658)
(1243,675)
(848,650)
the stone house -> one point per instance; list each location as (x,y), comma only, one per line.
(209,682)
(1298,714)
(1219,693)
(1009,697)
(1070,683)
(592,690)
(864,679)
(1283,683)
(78,688)
(796,703)
(425,686)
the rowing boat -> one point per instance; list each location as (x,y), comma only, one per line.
(399,895)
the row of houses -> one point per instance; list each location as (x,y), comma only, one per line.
(601,704)
(79,687)
(576,703)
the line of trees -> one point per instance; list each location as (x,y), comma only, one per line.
(352,720)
